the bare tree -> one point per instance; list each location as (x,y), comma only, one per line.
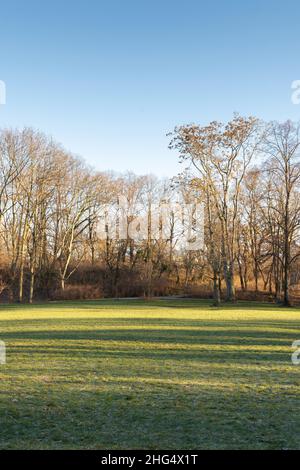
(282,146)
(221,154)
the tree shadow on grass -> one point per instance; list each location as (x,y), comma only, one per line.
(131,417)
(140,303)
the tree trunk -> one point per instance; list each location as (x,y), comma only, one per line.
(230,290)
(31,288)
(217,297)
(286,297)
(256,275)
(21,282)
(286,268)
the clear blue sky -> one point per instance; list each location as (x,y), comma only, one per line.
(109,79)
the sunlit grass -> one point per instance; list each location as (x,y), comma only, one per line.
(162,374)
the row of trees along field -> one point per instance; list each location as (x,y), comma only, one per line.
(245,172)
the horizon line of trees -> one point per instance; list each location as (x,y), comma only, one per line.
(246,173)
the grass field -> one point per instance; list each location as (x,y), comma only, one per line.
(149,375)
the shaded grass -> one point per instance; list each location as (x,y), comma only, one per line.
(161,374)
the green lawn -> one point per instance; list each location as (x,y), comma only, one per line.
(149,375)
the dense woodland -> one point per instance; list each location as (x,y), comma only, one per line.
(245,172)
